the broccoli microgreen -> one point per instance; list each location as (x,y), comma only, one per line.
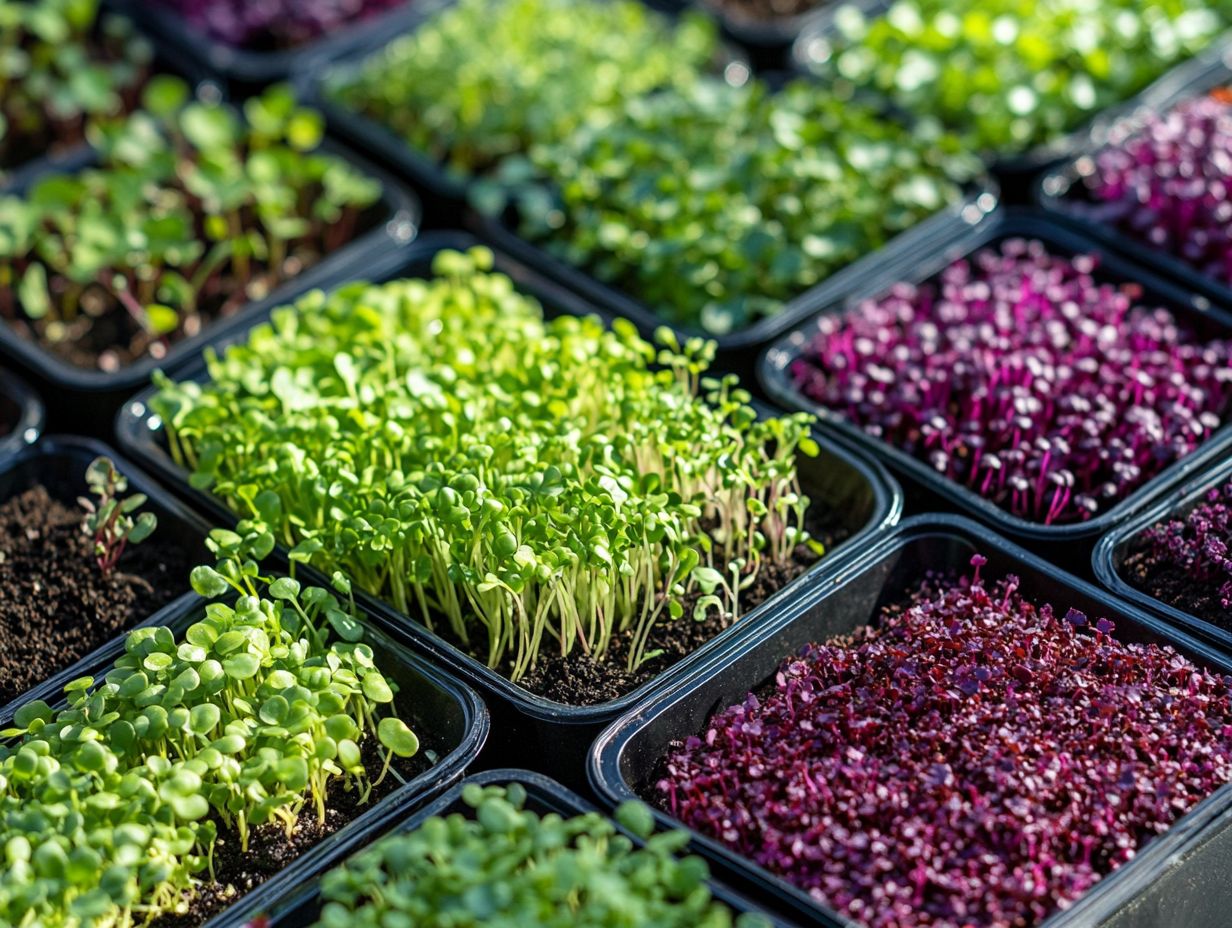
(564,484)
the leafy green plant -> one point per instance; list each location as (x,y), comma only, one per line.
(111,808)
(483,79)
(717,204)
(60,64)
(191,212)
(535,484)
(506,864)
(111,519)
(1010,74)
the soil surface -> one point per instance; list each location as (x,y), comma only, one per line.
(577,680)
(763,11)
(57,605)
(1169,584)
(270,850)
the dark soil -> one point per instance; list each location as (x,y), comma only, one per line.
(763,10)
(577,680)
(57,605)
(270,850)
(1169,584)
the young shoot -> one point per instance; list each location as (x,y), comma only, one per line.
(112,520)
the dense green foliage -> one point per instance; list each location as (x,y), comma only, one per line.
(191,212)
(506,865)
(717,204)
(533,483)
(483,79)
(110,808)
(60,64)
(1009,74)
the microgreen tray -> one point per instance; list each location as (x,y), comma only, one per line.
(1165,884)
(1059,191)
(59,463)
(449,718)
(1079,537)
(301,908)
(841,479)
(1113,549)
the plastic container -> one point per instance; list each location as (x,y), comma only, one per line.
(1077,539)
(1118,544)
(20,406)
(623,760)
(85,400)
(736,350)
(59,463)
(768,41)
(301,908)
(1060,190)
(530,728)
(243,70)
(449,718)
(1015,172)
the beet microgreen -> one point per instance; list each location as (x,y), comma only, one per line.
(111,808)
(551,490)
(62,63)
(757,196)
(503,863)
(1008,75)
(1187,561)
(192,212)
(1022,376)
(275,24)
(111,519)
(974,759)
(1164,181)
(465,100)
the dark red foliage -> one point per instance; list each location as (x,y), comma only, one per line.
(1167,182)
(975,760)
(274,24)
(1199,546)
(1019,375)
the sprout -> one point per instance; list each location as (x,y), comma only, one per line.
(502,863)
(563,484)
(111,520)
(971,758)
(1022,376)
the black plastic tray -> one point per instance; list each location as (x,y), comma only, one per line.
(1055,190)
(85,400)
(21,406)
(1114,547)
(736,350)
(531,727)
(449,718)
(59,463)
(773,371)
(769,41)
(625,755)
(1015,171)
(302,908)
(243,70)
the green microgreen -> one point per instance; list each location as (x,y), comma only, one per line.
(192,211)
(502,863)
(468,102)
(112,520)
(715,204)
(1010,74)
(532,483)
(111,808)
(61,63)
